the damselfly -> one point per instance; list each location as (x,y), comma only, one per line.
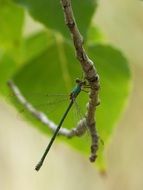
(75,92)
(80,85)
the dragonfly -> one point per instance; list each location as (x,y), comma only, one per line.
(80,84)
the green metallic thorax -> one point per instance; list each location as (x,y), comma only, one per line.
(75,91)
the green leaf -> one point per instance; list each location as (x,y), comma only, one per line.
(11,22)
(55,71)
(50,13)
(29,49)
(35,44)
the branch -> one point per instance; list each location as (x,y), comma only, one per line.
(90,74)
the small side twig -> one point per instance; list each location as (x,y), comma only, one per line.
(90,74)
(79,130)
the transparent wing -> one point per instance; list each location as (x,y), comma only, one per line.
(48,103)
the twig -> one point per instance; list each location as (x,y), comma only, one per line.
(90,74)
(78,131)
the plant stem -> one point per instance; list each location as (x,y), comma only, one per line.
(89,71)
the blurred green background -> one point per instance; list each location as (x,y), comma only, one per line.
(122,24)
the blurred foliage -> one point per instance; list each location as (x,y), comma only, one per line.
(45,62)
(51,15)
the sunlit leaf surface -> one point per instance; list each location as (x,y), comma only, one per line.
(55,70)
